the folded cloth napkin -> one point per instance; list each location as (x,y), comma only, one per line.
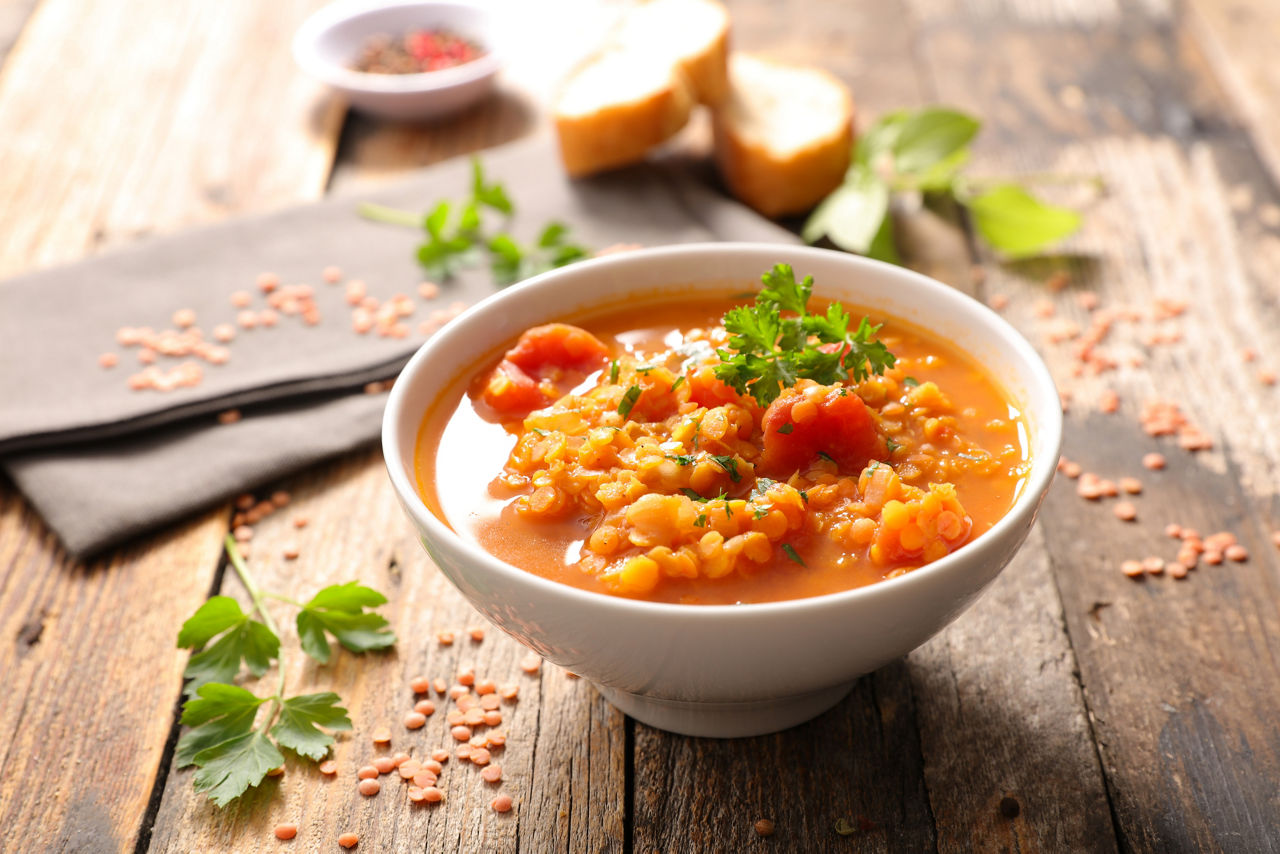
(102,462)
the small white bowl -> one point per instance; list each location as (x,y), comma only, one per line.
(330,40)
(723,670)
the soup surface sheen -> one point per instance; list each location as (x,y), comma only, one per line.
(640,474)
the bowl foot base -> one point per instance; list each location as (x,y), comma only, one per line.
(725,720)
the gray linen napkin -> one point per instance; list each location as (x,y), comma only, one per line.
(102,463)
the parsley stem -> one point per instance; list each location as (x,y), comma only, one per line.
(257,595)
(390,216)
(276,596)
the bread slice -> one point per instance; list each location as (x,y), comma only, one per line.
(784,136)
(617,107)
(694,33)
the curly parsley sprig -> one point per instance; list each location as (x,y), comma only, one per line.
(769,351)
(232,748)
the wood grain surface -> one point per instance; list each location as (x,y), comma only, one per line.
(109,150)
(1070,709)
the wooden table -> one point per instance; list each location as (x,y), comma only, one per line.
(1072,709)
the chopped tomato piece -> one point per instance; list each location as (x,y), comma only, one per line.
(545,363)
(706,389)
(837,423)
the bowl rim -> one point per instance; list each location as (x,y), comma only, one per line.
(308,35)
(1026,505)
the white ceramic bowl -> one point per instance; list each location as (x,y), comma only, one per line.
(330,40)
(723,670)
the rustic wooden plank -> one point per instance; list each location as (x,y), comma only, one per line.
(1238,38)
(1009,758)
(1179,676)
(105,149)
(356,530)
(859,763)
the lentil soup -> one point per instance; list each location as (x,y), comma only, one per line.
(608,456)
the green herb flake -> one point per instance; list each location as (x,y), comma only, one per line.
(729,463)
(760,513)
(539,431)
(692,494)
(762,485)
(679,382)
(786,429)
(804,496)
(681,459)
(613,371)
(910,382)
(827,457)
(629,398)
(791,553)
(891,445)
(701,521)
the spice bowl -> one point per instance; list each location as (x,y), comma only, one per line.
(329,41)
(722,670)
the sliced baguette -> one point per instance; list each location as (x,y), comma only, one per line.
(784,136)
(617,107)
(664,56)
(694,33)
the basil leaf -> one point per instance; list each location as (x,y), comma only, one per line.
(1018,224)
(930,136)
(853,214)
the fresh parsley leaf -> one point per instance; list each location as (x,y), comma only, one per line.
(613,371)
(681,459)
(300,719)
(490,195)
(217,715)
(768,352)
(242,640)
(1017,223)
(762,486)
(228,769)
(760,513)
(804,495)
(629,398)
(792,554)
(729,463)
(339,611)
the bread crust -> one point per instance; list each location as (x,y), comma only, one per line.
(708,71)
(622,133)
(783,184)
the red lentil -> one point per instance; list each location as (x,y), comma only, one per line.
(440,755)
(491,773)
(428,290)
(1153,565)
(496,739)
(1267,377)
(1125,511)
(384,764)
(479,756)
(493,718)
(467,677)
(399,759)
(445,638)
(301,521)
(329,767)
(432,795)
(367,772)
(531,663)
(369,787)
(474,717)
(510,692)
(1236,552)
(1178,570)
(764,827)
(1275,539)
(1132,568)
(415,720)
(486,686)
(290,552)
(409,768)
(502,803)
(229,416)
(439,685)
(490,702)
(332,274)
(419,684)
(1212,557)
(458,691)
(381,735)
(348,840)
(108,360)
(417,794)
(435,766)
(460,733)
(477,633)
(425,707)
(1131,485)
(241,299)
(286,831)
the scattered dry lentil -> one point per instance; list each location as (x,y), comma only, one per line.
(286,831)
(381,735)
(764,827)
(1125,511)
(369,787)
(367,772)
(328,767)
(1153,461)
(384,764)
(415,720)
(502,803)
(348,840)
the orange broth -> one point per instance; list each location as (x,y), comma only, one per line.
(978,443)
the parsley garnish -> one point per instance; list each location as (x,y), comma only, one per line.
(538,430)
(786,429)
(728,511)
(791,553)
(804,495)
(701,521)
(892,445)
(629,398)
(232,751)
(910,382)
(826,456)
(769,352)
(454,240)
(681,459)
(760,513)
(729,464)
(679,382)
(613,371)
(762,485)
(692,494)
